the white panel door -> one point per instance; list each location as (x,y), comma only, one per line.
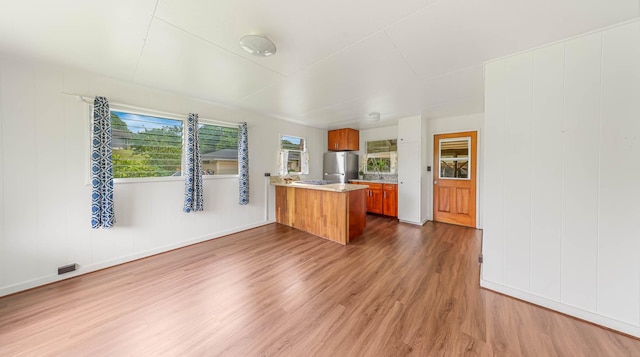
(409,182)
(546,171)
(517,170)
(493,232)
(580,171)
(618,242)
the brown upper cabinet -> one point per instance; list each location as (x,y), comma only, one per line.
(344,140)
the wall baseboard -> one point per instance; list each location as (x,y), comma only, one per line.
(573,311)
(85,269)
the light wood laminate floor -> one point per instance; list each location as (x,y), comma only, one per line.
(274,291)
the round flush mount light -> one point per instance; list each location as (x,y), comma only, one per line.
(374,117)
(258,45)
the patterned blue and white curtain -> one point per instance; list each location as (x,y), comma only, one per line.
(243,163)
(193,176)
(102,214)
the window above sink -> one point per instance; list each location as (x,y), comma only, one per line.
(381,157)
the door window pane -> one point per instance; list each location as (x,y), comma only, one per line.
(454,158)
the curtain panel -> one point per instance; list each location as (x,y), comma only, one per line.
(243,163)
(193,175)
(102,210)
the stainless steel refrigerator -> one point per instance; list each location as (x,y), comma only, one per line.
(340,166)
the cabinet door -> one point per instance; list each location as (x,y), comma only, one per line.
(390,200)
(374,201)
(409,190)
(374,197)
(409,129)
(333,140)
(352,140)
(343,140)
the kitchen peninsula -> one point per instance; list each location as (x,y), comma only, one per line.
(333,211)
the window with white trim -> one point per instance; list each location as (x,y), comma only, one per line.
(294,158)
(152,146)
(381,157)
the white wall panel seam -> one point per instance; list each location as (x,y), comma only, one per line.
(66,176)
(66,172)
(531,161)
(34,105)
(599,174)
(504,149)
(562,142)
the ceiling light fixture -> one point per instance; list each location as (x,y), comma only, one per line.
(258,45)
(374,117)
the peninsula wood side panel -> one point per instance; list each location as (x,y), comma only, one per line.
(337,216)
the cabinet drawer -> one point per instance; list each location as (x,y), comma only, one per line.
(390,187)
(373,186)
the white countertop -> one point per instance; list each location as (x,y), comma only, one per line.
(333,187)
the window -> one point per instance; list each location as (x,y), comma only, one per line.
(145,146)
(151,146)
(454,158)
(381,157)
(218,149)
(293,155)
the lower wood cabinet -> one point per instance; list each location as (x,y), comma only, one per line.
(374,198)
(381,198)
(390,200)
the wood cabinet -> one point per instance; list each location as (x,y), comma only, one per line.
(374,198)
(343,140)
(339,216)
(381,198)
(390,200)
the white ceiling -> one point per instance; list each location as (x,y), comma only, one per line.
(337,60)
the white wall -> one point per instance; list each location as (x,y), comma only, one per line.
(44,191)
(472,122)
(562,141)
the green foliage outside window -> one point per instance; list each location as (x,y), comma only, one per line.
(146,146)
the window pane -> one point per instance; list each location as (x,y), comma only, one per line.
(454,149)
(454,158)
(382,146)
(378,165)
(288,142)
(454,168)
(145,146)
(218,149)
(293,162)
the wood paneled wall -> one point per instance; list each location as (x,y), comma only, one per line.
(562,139)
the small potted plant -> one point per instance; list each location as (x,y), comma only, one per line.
(360,175)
